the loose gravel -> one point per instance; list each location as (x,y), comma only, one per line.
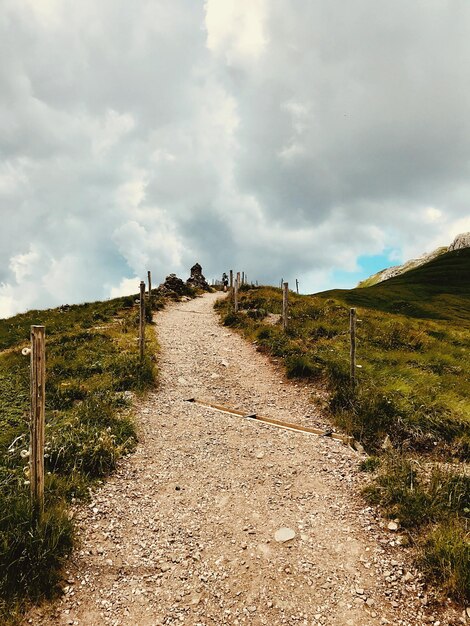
(217,519)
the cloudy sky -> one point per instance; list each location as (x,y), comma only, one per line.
(310,139)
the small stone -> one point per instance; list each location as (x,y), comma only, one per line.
(359,591)
(251,608)
(259,455)
(393,526)
(370,602)
(284,534)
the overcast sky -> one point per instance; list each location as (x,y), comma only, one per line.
(312,139)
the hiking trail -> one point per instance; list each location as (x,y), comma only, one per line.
(184,531)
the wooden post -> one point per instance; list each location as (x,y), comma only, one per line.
(282,282)
(297,285)
(352,332)
(235,293)
(149,277)
(142,321)
(231,283)
(38,397)
(285,305)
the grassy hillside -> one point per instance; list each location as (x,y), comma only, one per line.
(93,370)
(401,269)
(438,290)
(411,406)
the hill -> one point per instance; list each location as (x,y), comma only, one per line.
(93,370)
(410,406)
(460,242)
(439,289)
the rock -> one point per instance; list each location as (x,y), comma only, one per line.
(460,242)
(284,534)
(393,526)
(197,279)
(173,284)
(259,455)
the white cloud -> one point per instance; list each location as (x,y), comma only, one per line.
(283,138)
(126,287)
(431,215)
(236,28)
(23,265)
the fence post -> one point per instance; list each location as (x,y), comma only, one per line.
(297,285)
(352,332)
(235,293)
(38,397)
(231,283)
(285,304)
(149,277)
(142,321)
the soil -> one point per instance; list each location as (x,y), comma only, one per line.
(185,531)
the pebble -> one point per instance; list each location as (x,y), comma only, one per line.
(284,534)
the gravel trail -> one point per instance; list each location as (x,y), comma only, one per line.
(184,531)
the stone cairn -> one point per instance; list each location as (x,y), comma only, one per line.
(173,284)
(197,279)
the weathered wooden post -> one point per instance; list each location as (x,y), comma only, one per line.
(149,277)
(231,283)
(142,321)
(285,304)
(37,423)
(235,293)
(352,332)
(297,285)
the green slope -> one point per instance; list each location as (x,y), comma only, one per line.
(437,290)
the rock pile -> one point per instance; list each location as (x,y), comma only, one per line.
(173,284)
(197,279)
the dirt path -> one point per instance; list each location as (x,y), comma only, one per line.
(183,533)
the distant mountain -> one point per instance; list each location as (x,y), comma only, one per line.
(460,242)
(438,289)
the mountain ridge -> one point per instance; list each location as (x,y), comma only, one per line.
(460,241)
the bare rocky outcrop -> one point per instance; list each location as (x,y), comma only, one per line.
(461,241)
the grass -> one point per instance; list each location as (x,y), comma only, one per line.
(93,371)
(413,389)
